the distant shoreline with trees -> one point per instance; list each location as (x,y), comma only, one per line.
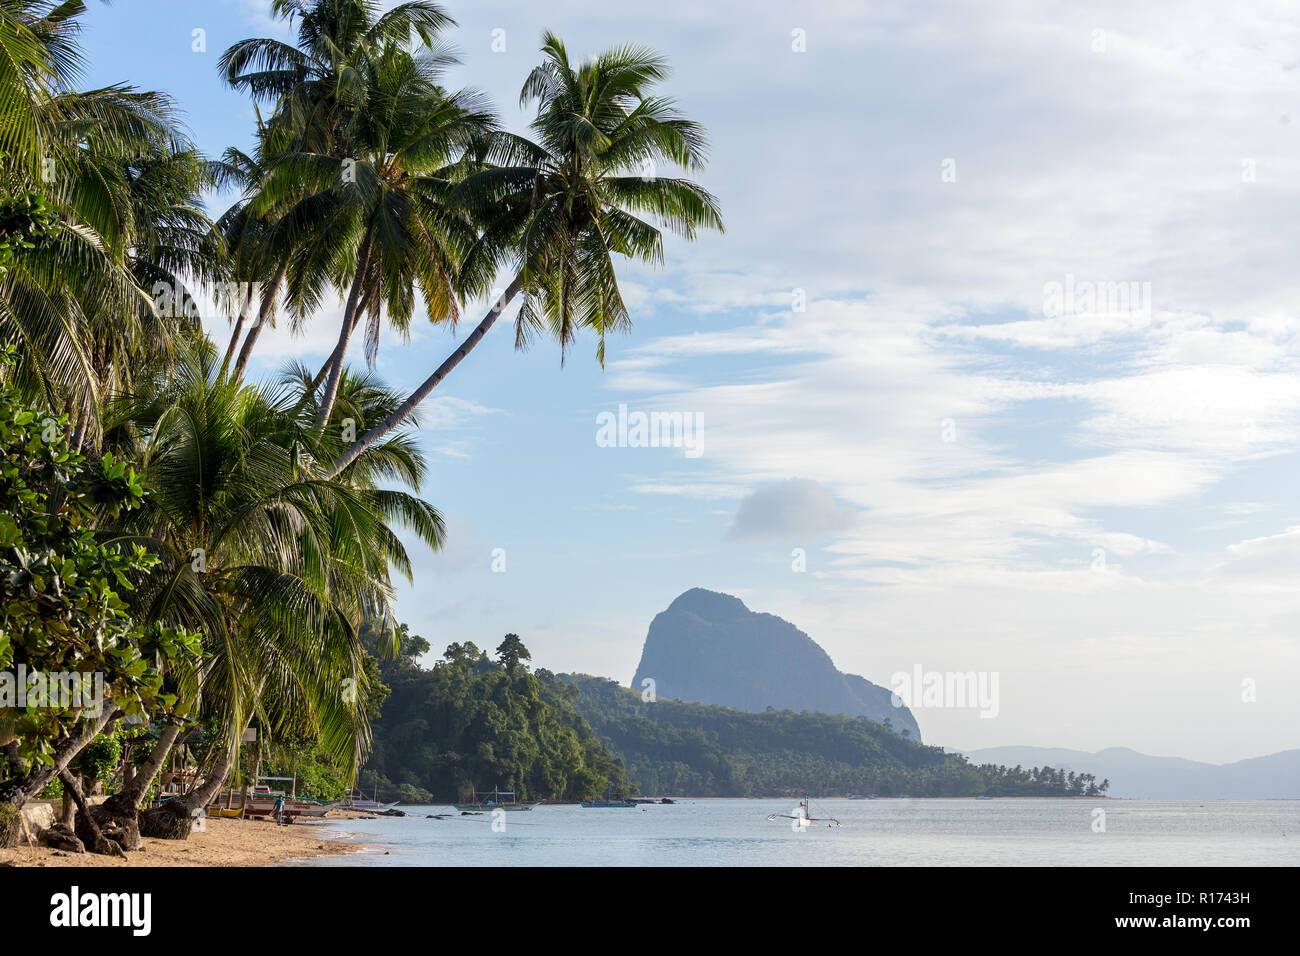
(476,722)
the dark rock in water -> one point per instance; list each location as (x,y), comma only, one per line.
(710,647)
(390,812)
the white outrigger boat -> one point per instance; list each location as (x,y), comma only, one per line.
(803,817)
(358,801)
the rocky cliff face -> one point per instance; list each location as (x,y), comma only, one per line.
(709,647)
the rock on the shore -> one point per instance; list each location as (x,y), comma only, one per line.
(60,838)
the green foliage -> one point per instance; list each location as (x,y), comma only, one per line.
(61,604)
(511,652)
(25,219)
(1040,782)
(233,528)
(99,758)
(470,723)
(581,193)
(270,559)
(702,750)
(319,775)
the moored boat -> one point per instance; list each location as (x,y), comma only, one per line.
(358,801)
(609,801)
(493,800)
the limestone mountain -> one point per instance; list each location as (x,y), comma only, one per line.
(710,647)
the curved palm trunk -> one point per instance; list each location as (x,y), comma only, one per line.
(324,370)
(174,820)
(238,331)
(420,394)
(127,799)
(350,312)
(148,771)
(119,815)
(82,426)
(334,356)
(263,317)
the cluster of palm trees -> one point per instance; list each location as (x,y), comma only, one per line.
(275,507)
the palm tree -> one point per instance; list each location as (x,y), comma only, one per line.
(557,211)
(120,182)
(273,562)
(38,54)
(390,229)
(314,83)
(330,94)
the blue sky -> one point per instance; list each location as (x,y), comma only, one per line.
(952,455)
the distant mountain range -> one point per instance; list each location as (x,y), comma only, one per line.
(1132,774)
(709,647)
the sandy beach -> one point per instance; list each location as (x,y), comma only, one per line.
(222,843)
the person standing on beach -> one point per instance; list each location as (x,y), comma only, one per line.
(279,810)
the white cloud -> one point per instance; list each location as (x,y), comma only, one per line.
(1269,562)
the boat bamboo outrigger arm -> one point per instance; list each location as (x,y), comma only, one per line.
(803,815)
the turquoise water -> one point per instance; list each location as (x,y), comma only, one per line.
(1054,832)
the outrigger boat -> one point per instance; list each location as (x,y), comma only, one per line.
(803,817)
(261,802)
(608,801)
(491,800)
(358,801)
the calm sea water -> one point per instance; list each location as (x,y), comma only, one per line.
(967,832)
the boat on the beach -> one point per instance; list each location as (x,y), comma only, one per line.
(493,800)
(259,806)
(261,802)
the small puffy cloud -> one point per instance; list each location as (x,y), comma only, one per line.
(794,507)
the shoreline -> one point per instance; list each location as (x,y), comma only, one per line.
(239,843)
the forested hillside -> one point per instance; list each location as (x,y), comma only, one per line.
(473,723)
(674,747)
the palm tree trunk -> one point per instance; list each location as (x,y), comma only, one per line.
(263,317)
(420,394)
(120,813)
(324,370)
(329,362)
(350,313)
(174,820)
(132,793)
(238,330)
